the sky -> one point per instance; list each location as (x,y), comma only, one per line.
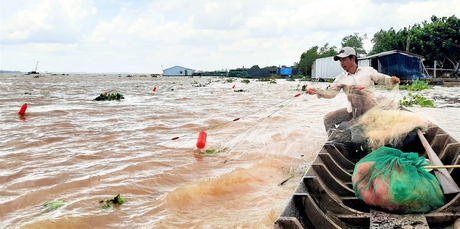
(147,36)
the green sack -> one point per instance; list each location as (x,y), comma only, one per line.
(395,181)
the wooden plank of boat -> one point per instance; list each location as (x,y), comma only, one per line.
(324,197)
(445,179)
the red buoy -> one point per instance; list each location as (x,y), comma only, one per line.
(233,86)
(154,89)
(22,111)
(201,141)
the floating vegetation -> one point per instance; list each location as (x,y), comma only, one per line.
(305,78)
(210,152)
(290,78)
(270,80)
(115,202)
(416,99)
(245,81)
(266,79)
(303,87)
(417,85)
(109,96)
(53,205)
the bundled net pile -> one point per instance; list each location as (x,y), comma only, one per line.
(376,123)
(395,181)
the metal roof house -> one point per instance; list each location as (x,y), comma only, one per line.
(406,66)
(178,71)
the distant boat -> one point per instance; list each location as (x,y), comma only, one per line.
(34,72)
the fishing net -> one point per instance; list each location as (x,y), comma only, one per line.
(395,181)
(377,122)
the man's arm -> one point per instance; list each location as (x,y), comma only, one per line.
(384,79)
(329,93)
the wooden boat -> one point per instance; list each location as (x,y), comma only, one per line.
(325,198)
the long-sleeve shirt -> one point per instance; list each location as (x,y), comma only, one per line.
(363,77)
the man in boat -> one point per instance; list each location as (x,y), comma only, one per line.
(352,81)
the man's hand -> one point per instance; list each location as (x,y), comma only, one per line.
(394,80)
(310,91)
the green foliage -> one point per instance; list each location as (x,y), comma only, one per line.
(416,85)
(53,205)
(115,202)
(416,99)
(276,76)
(245,81)
(210,151)
(389,40)
(270,80)
(308,57)
(109,97)
(265,79)
(355,41)
(438,40)
(305,78)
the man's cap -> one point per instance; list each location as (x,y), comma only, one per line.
(344,52)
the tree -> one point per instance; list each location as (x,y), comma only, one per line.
(438,40)
(308,57)
(306,60)
(355,41)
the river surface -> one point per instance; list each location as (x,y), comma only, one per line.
(70,148)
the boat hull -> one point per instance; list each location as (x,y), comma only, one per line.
(325,198)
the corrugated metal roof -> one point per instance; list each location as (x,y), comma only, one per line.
(392,52)
(177,66)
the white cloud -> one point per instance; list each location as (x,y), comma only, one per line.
(50,17)
(141,36)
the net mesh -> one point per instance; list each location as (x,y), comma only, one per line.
(395,181)
(376,122)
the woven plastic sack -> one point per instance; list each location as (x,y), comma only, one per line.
(397,182)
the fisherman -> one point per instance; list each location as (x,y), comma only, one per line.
(353,81)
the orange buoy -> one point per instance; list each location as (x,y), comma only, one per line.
(22,111)
(201,141)
(154,89)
